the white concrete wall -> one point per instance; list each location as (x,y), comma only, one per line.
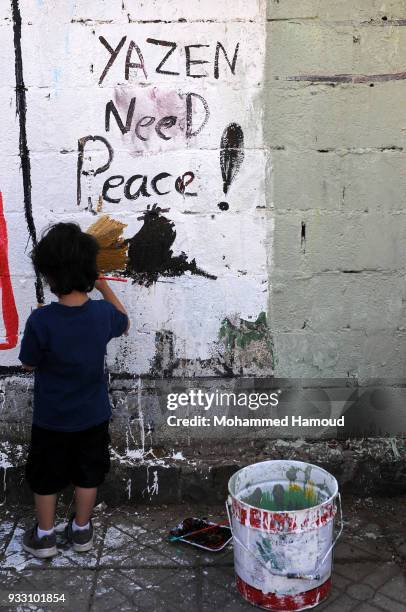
(63,59)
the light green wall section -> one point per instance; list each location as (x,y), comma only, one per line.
(338,161)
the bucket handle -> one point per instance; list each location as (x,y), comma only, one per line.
(291,575)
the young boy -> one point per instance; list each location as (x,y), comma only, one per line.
(65,344)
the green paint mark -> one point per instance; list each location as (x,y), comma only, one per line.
(282,499)
(245,332)
(267,554)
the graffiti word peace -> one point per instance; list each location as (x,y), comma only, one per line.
(136,185)
(142,185)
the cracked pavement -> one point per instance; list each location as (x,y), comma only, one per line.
(134,567)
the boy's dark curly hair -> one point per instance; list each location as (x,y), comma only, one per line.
(66,257)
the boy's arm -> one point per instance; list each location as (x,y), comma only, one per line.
(30,350)
(109,295)
(24,365)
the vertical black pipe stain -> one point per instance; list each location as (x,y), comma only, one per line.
(303,237)
(21,109)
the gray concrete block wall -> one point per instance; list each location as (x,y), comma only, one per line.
(335,126)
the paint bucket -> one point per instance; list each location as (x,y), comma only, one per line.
(282,518)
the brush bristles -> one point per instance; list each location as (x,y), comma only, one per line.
(113,250)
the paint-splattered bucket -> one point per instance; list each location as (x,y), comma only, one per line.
(282,517)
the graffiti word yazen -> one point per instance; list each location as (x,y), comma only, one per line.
(193,57)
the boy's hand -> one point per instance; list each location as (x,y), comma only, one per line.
(109,295)
(101,285)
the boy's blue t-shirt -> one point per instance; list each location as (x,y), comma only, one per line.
(67,346)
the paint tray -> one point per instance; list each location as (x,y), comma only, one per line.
(202,534)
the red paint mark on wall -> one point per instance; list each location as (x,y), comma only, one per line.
(9,310)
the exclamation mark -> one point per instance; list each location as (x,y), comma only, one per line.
(231,157)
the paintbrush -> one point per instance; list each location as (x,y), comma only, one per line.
(187,535)
(112,255)
(113,278)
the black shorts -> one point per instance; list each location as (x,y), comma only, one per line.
(59,458)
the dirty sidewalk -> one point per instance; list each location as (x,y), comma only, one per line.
(133,567)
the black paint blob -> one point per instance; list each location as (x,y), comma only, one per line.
(223,205)
(231,154)
(150,254)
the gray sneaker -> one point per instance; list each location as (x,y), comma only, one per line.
(81,540)
(39,547)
